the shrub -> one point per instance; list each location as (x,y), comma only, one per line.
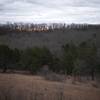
(54,77)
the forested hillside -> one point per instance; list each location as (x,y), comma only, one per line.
(53,39)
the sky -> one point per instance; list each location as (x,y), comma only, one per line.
(50,11)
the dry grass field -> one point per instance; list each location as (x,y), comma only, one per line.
(28,87)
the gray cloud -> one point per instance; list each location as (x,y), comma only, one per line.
(69,11)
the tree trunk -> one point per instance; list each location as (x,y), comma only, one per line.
(92,74)
(4,69)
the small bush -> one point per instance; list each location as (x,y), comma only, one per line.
(94,84)
(55,77)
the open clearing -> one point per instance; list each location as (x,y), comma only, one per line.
(28,87)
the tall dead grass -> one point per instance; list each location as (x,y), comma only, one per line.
(21,87)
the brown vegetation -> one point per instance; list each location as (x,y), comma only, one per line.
(22,87)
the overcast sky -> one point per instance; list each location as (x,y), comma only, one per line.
(39,11)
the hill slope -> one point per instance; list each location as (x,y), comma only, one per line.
(53,40)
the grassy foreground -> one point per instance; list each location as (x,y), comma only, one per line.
(28,87)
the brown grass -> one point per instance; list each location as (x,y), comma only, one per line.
(27,87)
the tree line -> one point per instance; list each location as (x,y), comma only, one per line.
(43,27)
(79,59)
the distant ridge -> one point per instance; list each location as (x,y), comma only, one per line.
(44,27)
